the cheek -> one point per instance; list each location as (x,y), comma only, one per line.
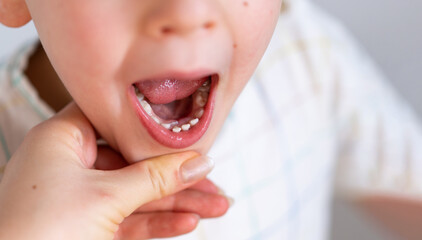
(253,24)
(87,50)
(84,47)
(253,28)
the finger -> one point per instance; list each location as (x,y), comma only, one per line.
(206,205)
(156,225)
(152,179)
(206,185)
(68,133)
(108,159)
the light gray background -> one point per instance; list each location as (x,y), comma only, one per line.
(390,30)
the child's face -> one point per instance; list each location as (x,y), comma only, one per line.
(101,49)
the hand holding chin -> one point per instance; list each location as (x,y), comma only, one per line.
(170,216)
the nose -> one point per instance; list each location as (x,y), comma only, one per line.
(180,17)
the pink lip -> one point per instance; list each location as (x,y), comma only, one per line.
(167,137)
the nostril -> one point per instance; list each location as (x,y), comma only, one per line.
(209,25)
(166,30)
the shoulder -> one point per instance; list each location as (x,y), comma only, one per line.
(20,107)
(303,27)
(309,47)
(302,48)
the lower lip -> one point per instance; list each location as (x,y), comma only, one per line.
(182,139)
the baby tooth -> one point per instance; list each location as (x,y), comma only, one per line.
(140,97)
(166,125)
(147,107)
(193,122)
(204,89)
(201,99)
(199,113)
(156,119)
(144,103)
(177,129)
(185,127)
(206,83)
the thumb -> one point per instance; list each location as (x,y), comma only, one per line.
(155,178)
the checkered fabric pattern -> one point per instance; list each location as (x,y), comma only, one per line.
(315,119)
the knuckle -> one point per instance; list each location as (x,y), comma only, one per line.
(38,129)
(59,131)
(39,132)
(44,128)
(159,182)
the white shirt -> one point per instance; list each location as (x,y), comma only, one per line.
(316,116)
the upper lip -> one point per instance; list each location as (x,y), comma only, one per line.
(180,75)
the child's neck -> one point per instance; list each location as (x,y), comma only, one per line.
(45,80)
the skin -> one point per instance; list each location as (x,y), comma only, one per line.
(170,216)
(106,47)
(52,188)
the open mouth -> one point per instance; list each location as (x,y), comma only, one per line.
(175,111)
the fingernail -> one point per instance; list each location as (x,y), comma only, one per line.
(196,168)
(230,200)
(221,191)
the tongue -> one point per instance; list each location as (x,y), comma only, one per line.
(168,90)
(174,110)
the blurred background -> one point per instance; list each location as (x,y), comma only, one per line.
(389,30)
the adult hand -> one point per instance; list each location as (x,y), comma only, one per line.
(170,216)
(50,189)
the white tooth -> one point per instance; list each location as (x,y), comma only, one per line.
(204,89)
(206,83)
(140,96)
(201,99)
(156,119)
(193,122)
(166,125)
(185,127)
(176,129)
(143,104)
(146,107)
(199,113)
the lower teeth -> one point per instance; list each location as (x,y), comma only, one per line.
(200,100)
(193,122)
(177,129)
